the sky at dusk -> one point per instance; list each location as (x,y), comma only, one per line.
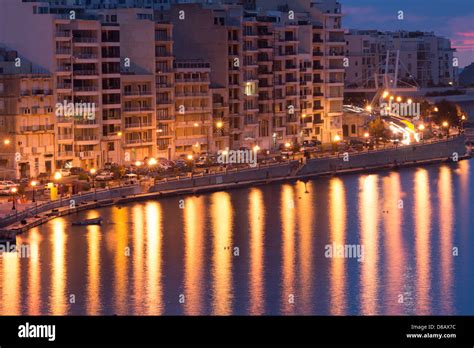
(453,19)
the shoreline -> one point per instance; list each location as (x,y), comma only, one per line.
(11,231)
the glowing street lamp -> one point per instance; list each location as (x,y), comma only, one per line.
(7,141)
(190,157)
(33,184)
(385,94)
(138,163)
(57,176)
(463,117)
(392,97)
(196,124)
(152,162)
(368,108)
(119,134)
(436,109)
(256,148)
(13,191)
(445,124)
(337,138)
(421,127)
(409,101)
(399,99)
(366,134)
(219,125)
(287,145)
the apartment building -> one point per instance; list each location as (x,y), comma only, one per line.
(282,67)
(27,131)
(193,108)
(424,59)
(133,83)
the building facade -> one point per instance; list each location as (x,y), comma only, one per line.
(424,59)
(127,84)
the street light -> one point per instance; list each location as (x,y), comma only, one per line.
(14,190)
(93,171)
(368,108)
(446,125)
(409,101)
(337,138)
(421,127)
(119,134)
(399,99)
(287,145)
(436,109)
(256,148)
(385,94)
(7,141)
(33,184)
(152,161)
(190,157)
(219,125)
(138,164)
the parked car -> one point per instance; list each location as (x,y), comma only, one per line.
(6,186)
(77,171)
(104,176)
(131,179)
(65,171)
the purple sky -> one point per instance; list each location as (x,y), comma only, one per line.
(453,19)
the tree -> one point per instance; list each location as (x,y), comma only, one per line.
(447,111)
(377,129)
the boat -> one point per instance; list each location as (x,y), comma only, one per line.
(96,221)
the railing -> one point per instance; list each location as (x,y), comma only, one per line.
(85,39)
(137,108)
(86,138)
(86,72)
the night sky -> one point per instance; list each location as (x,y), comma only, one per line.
(453,19)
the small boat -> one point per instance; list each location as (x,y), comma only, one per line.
(96,221)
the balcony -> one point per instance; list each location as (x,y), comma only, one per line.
(37,128)
(138,125)
(79,137)
(84,40)
(86,154)
(138,109)
(85,72)
(65,154)
(84,123)
(65,137)
(137,93)
(144,142)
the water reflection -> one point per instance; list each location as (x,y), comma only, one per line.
(394,246)
(337,214)
(59,301)
(256,214)
(221,212)
(93,268)
(369,218)
(288,258)
(194,235)
(154,252)
(446,211)
(146,254)
(422,241)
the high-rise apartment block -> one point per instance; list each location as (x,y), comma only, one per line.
(131,80)
(424,59)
